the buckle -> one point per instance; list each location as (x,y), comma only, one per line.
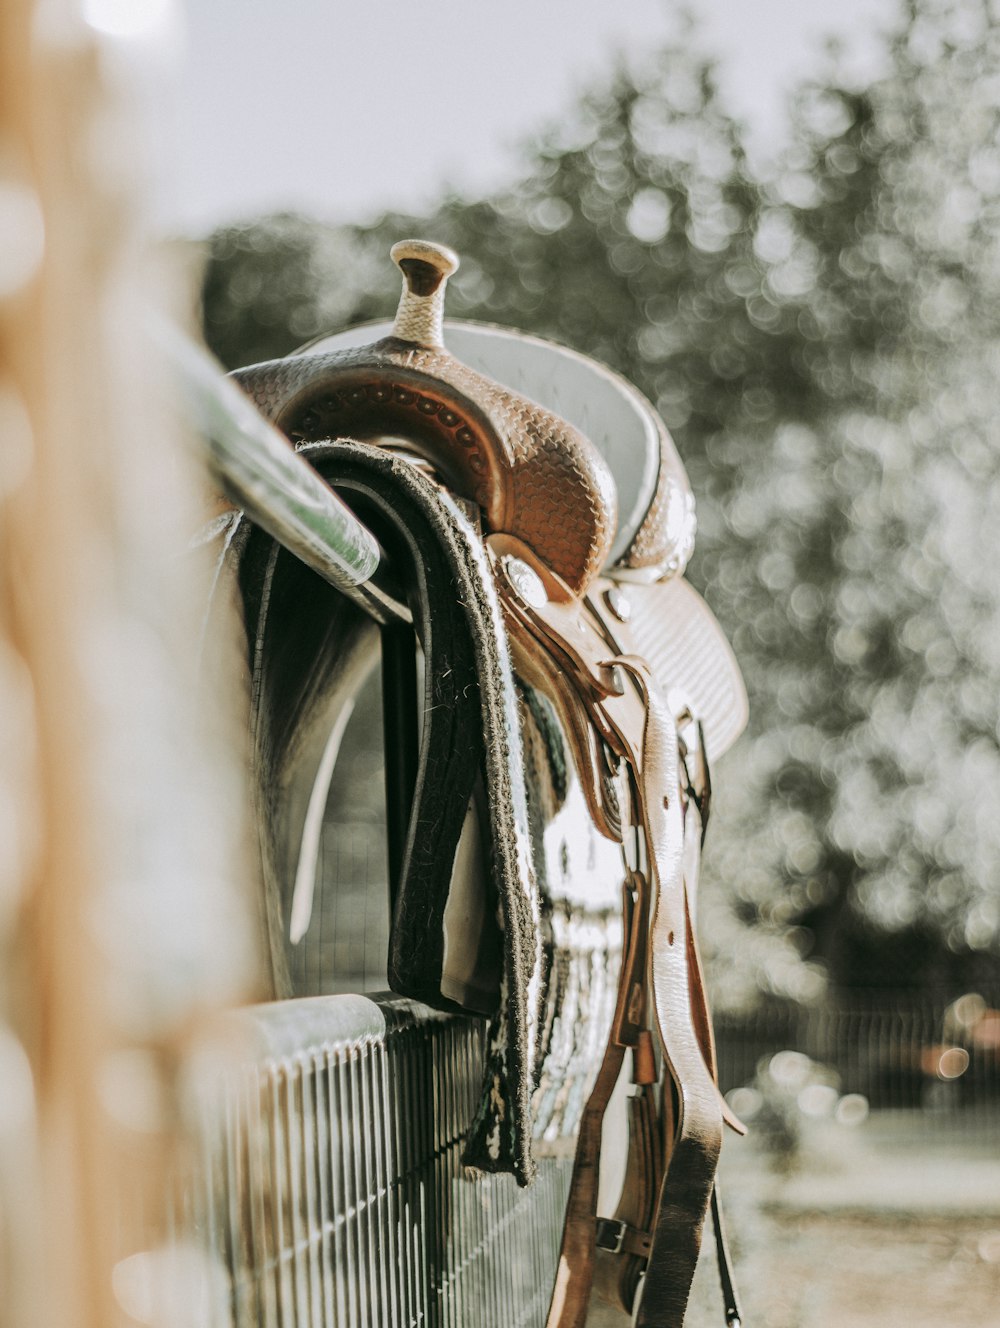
(611,1234)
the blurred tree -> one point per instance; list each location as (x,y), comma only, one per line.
(905,302)
(822,344)
(273,283)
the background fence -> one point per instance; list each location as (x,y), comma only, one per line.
(899,1050)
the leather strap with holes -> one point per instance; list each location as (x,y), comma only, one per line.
(674,1135)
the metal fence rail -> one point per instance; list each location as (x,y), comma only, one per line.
(331,1188)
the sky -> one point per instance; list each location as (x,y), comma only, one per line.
(343,110)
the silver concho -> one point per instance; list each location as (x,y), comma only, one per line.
(526,582)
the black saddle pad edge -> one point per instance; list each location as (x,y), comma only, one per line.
(500,1137)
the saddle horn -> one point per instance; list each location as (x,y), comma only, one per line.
(536,478)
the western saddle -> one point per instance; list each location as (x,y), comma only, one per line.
(544,620)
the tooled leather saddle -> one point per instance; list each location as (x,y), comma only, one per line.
(543,623)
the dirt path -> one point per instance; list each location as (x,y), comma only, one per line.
(818,1271)
(893,1226)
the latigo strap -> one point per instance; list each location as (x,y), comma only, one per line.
(674,1141)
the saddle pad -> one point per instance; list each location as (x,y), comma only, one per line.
(559,893)
(557,882)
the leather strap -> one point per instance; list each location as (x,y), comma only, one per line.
(698,790)
(669,1184)
(574,1277)
(624,1242)
(730,1300)
(686,1190)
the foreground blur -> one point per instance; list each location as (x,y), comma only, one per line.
(121,926)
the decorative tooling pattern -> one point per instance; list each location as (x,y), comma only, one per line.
(535,476)
(666,537)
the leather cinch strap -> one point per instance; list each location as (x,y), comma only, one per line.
(674,1144)
(686,1189)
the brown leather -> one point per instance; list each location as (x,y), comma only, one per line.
(570,651)
(619,1268)
(686,1189)
(563,648)
(669,1182)
(535,477)
(571,1294)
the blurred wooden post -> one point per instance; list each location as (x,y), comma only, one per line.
(103,1026)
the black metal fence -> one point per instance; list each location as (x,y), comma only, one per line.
(329,1191)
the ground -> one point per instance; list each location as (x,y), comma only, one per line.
(894,1224)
